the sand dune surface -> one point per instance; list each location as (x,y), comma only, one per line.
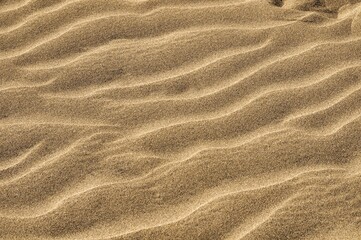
(180,119)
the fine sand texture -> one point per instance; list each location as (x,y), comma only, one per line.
(180,119)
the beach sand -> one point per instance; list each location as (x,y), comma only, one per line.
(180,119)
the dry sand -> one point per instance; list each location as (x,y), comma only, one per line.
(180,119)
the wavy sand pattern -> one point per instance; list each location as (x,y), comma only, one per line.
(180,119)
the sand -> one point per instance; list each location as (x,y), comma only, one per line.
(180,119)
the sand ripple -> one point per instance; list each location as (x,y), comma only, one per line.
(158,119)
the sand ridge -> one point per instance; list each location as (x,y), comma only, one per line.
(182,119)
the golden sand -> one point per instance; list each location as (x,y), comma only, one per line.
(180,119)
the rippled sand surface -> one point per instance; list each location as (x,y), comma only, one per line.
(180,119)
